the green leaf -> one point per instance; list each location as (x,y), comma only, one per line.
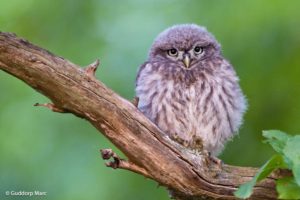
(292,153)
(245,190)
(275,162)
(277,139)
(296,172)
(287,188)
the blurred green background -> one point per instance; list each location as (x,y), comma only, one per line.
(58,153)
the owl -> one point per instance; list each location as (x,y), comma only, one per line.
(189,90)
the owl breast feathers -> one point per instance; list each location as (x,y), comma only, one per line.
(189,90)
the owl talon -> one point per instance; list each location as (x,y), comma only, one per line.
(216,160)
(90,70)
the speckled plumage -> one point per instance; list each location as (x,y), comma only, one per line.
(198,102)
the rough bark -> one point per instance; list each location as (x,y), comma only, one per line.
(75,90)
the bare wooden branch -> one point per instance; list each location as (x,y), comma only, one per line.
(71,89)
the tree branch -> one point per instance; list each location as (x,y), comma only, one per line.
(149,152)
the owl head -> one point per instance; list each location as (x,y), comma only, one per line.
(185,45)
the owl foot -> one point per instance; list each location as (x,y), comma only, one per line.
(135,101)
(117,162)
(195,144)
(90,70)
(52,107)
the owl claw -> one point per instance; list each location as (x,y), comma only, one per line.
(215,160)
(90,70)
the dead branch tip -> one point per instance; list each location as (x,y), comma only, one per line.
(90,70)
(52,107)
(117,162)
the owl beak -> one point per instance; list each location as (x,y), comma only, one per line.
(186,60)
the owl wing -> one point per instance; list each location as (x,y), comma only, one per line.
(139,72)
(136,100)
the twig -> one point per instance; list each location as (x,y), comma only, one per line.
(117,162)
(52,107)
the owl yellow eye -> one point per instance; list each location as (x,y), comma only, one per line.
(172,52)
(198,50)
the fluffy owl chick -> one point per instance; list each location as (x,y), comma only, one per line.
(189,90)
